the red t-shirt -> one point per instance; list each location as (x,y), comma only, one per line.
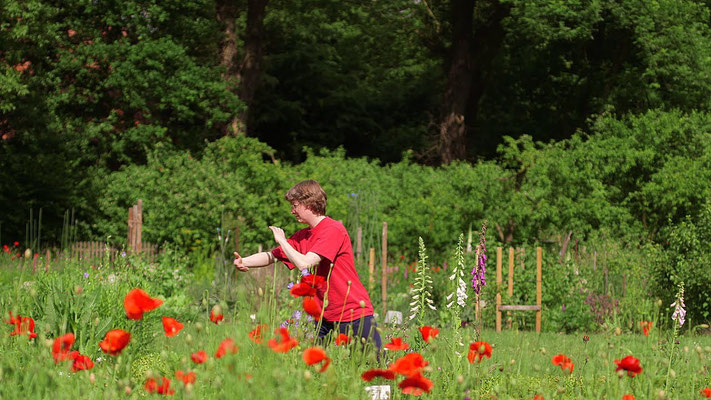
(330,240)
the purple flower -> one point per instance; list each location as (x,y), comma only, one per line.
(86,274)
(479,270)
(290,285)
(562,308)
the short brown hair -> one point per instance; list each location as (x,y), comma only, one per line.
(310,194)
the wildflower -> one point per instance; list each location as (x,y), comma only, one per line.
(342,339)
(188,378)
(409,364)
(23,326)
(416,385)
(137,302)
(646,326)
(679,314)
(312,307)
(628,397)
(371,374)
(302,289)
(316,281)
(315,355)
(61,347)
(564,362)
(706,392)
(586,339)
(171,326)
(255,334)
(629,364)
(227,346)
(479,350)
(216,314)
(115,341)
(199,357)
(285,343)
(152,386)
(17,244)
(81,362)
(428,333)
(537,397)
(397,344)
(458,274)
(479,270)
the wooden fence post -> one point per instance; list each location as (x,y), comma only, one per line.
(499,256)
(509,318)
(384,259)
(539,285)
(139,217)
(371,271)
(359,243)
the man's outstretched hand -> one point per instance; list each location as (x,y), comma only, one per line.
(239,265)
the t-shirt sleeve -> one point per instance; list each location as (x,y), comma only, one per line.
(279,254)
(327,243)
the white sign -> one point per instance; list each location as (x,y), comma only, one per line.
(379,392)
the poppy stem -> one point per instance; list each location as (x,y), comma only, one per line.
(325,299)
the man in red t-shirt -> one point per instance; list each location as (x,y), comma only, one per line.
(325,244)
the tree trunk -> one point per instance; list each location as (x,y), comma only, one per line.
(452,129)
(226,15)
(251,66)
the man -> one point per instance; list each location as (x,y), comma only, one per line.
(326,245)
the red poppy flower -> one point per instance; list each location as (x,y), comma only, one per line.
(152,386)
(408,365)
(479,350)
(255,334)
(416,385)
(61,347)
(137,302)
(706,392)
(302,290)
(371,374)
(564,362)
(537,397)
(81,362)
(646,327)
(312,307)
(16,244)
(186,378)
(342,339)
(115,341)
(397,344)
(216,314)
(628,397)
(171,326)
(199,357)
(629,364)
(316,281)
(429,333)
(315,355)
(285,343)
(227,346)
(23,326)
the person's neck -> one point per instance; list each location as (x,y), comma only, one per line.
(315,221)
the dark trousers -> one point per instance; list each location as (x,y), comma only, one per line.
(358,328)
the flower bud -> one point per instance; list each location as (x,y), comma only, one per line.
(460,379)
(92,378)
(260,292)
(307,374)
(618,331)
(662,395)
(127,390)
(362,304)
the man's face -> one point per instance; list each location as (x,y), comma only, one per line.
(298,210)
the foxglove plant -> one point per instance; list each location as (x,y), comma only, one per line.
(460,287)
(678,316)
(422,288)
(479,274)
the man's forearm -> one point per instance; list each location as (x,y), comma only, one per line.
(258,260)
(301,261)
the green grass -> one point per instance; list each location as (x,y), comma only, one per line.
(519,368)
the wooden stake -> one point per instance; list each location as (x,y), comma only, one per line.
(359,243)
(46,261)
(371,271)
(511,283)
(130,229)
(384,261)
(499,261)
(139,217)
(539,285)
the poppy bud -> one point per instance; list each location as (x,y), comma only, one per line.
(260,292)
(96,321)
(662,395)
(362,304)
(78,290)
(92,378)
(460,379)
(349,282)
(621,373)
(672,373)
(189,339)
(28,253)
(659,303)
(127,390)
(307,374)
(618,331)
(198,327)
(543,351)
(561,390)
(686,349)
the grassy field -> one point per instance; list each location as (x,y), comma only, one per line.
(89,302)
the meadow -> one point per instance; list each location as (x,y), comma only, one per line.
(245,355)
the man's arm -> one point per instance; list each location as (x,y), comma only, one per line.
(256,260)
(301,261)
